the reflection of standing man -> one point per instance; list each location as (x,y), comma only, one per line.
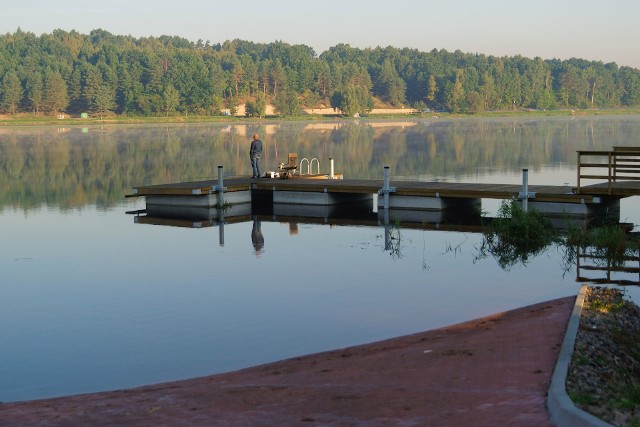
(256,236)
(255,151)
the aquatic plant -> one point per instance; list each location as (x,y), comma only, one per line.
(516,235)
(609,243)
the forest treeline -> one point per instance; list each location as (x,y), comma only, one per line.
(101,73)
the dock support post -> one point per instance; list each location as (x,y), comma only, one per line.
(220,202)
(221,205)
(525,189)
(220,187)
(525,195)
(385,190)
(331,176)
(385,194)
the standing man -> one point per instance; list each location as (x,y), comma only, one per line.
(255,151)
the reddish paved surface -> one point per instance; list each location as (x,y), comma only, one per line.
(493,371)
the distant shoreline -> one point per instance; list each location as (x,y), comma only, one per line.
(31,120)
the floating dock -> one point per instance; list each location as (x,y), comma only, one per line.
(410,195)
(618,171)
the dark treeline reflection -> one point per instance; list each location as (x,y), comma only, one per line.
(72,167)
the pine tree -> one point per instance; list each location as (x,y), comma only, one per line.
(56,98)
(10,93)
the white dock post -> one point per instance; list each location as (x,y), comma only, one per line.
(385,188)
(525,189)
(220,205)
(331,176)
(220,187)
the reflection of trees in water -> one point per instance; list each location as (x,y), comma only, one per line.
(71,168)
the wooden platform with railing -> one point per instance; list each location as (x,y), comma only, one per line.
(619,168)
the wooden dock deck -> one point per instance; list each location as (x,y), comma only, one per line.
(617,170)
(541,193)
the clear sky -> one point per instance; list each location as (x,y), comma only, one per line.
(606,31)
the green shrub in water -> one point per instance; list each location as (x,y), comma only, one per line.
(515,235)
(609,242)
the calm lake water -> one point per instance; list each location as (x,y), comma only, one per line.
(91,300)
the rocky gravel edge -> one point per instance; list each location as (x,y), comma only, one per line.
(603,378)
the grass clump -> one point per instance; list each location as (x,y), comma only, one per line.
(516,235)
(609,241)
(609,300)
(582,398)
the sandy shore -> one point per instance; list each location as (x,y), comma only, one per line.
(487,372)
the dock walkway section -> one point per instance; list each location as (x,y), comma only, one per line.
(549,193)
(409,195)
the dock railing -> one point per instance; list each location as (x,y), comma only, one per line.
(619,164)
(309,166)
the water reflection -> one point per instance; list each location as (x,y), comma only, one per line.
(257,239)
(111,301)
(100,165)
(508,247)
(594,267)
(393,240)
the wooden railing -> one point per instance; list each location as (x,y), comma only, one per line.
(619,164)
